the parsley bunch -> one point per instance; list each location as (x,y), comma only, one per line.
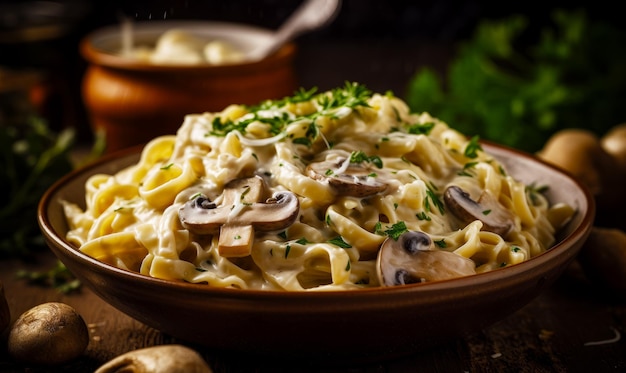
(520,93)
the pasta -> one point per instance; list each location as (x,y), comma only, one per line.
(177,46)
(304,193)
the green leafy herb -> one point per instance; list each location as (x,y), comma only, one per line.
(338,241)
(431,197)
(32,158)
(58,277)
(360,157)
(441,243)
(396,230)
(421,129)
(351,95)
(302,241)
(472,148)
(466,171)
(513,85)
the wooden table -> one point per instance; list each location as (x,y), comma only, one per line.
(557,332)
(551,334)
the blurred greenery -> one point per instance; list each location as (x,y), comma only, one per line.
(504,88)
(32,158)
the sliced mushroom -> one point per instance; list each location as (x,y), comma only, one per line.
(413,258)
(352,179)
(495,217)
(239,214)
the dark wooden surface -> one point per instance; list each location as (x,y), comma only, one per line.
(550,334)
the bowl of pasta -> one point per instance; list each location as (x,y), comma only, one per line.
(143,77)
(331,224)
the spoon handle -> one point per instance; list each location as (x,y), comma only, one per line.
(310,15)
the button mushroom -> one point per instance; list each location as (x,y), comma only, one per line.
(158,359)
(603,258)
(347,178)
(495,217)
(48,334)
(413,258)
(239,214)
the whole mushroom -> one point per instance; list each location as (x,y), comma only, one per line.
(158,359)
(486,208)
(603,258)
(413,258)
(614,143)
(586,157)
(48,334)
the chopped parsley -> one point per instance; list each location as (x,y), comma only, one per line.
(351,95)
(394,231)
(338,241)
(302,241)
(472,148)
(421,129)
(360,157)
(431,197)
(287,250)
(467,168)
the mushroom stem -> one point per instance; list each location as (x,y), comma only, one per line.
(240,214)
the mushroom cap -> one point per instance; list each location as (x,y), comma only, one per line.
(614,143)
(580,152)
(354,180)
(413,258)
(278,212)
(495,217)
(157,359)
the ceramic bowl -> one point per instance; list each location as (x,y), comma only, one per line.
(371,323)
(133,101)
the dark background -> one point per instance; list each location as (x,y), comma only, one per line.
(378,43)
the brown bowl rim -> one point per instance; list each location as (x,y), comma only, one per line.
(579,233)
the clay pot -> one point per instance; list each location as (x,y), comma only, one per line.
(133,101)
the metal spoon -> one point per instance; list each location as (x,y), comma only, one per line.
(312,14)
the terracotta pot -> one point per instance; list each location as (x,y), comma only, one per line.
(133,101)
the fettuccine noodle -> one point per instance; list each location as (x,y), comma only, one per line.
(134,219)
